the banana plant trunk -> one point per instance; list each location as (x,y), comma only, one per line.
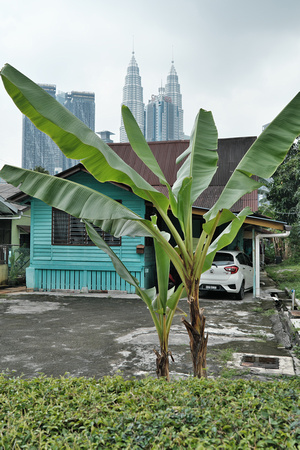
(196,332)
(162,364)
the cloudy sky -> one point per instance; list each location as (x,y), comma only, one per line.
(237,58)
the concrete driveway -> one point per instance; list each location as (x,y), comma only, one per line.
(95,335)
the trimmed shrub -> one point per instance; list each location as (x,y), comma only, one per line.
(73,413)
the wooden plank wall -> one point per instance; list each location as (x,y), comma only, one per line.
(77,267)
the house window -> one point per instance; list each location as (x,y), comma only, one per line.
(69,230)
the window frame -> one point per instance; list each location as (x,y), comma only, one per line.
(74,232)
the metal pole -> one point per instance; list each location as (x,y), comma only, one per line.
(293,299)
(254,262)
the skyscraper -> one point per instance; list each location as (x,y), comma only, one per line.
(161,123)
(172,90)
(82,105)
(164,114)
(38,149)
(105,136)
(133,97)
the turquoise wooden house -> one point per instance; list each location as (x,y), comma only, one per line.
(63,258)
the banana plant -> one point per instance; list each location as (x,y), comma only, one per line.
(195,174)
(162,305)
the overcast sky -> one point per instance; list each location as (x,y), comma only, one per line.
(237,58)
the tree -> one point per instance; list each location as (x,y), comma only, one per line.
(190,257)
(40,169)
(284,195)
(284,188)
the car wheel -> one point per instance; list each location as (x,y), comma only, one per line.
(241,294)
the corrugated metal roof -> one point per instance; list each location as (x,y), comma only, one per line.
(165,153)
(7,190)
(230,150)
(7,209)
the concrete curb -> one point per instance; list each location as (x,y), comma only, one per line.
(69,293)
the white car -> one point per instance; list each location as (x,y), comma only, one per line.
(231,272)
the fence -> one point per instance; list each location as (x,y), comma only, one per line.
(16,259)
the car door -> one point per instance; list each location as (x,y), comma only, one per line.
(246,269)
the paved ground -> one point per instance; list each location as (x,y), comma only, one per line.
(95,335)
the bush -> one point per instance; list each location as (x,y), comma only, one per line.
(270,255)
(73,413)
(286,275)
(294,243)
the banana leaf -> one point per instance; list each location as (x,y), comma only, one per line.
(263,157)
(159,305)
(226,237)
(140,146)
(78,200)
(73,137)
(202,157)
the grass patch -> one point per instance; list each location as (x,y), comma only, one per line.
(264,312)
(269,312)
(260,336)
(296,350)
(230,373)
(224,355)
(258,309)
(286,274)
(72,413)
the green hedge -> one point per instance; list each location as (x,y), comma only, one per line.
(80,413)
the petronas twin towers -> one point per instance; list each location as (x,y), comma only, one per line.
(162,118)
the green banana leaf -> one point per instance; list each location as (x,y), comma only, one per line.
(140,146)
(73,137)
(147,295)
(77,200)
(157,304)
(201,162)
(85,203)
(78,141)
(183,205)
(225,238)
(172,305)
(263,157)
(163,271)
(225,215)
(144,152)
(117,263)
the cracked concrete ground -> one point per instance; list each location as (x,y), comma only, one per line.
(94,335)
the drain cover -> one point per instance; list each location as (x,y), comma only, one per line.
(264,362)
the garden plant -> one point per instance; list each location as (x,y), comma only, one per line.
(84,413)
(192,254)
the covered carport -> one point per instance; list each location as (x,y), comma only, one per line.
(255,229)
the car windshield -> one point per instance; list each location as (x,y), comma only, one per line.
(223,258)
